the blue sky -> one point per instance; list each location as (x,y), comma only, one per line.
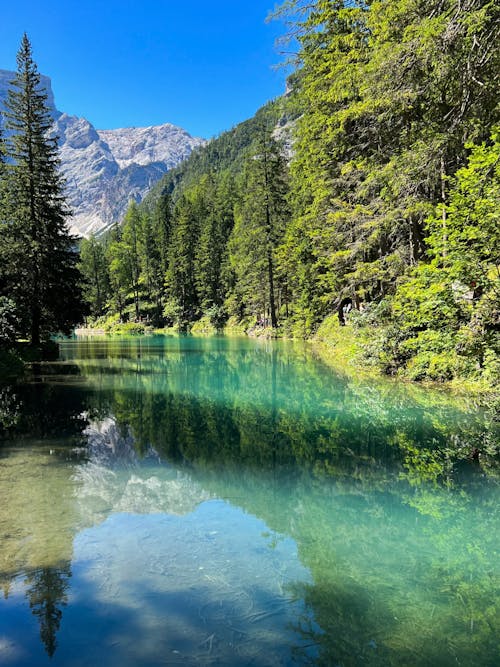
(203,65)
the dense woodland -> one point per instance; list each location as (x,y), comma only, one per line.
(372,187)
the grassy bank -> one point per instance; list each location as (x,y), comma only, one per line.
(354,350)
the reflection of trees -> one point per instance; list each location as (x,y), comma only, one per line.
(251,423)
(390,585)
(37,526)
(228,411)
(9,409)
(210,398)
(44,410)
(46,590)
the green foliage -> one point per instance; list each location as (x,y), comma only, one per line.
(260,219)
(39,272)
(180,278)
(95,271)
(129,328)
(11,366)
(224,153)
(389,198)
(384,123)
(9,321)
(448,311)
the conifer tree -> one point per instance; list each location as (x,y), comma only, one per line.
(162,230)
(130,238)
(95,271)
(180,277)
(8,311)
(259,226)
(212,254)
(3,213)
(46,284)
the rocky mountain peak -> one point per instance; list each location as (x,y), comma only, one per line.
(105,169)
(6,76)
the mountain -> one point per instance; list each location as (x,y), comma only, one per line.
(105,169)
(6,77)
(227,152)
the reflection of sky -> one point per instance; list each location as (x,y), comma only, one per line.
(206,584)
(212,557)
(162,573)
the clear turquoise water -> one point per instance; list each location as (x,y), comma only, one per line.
(232,502)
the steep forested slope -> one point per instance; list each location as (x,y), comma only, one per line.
(388,206)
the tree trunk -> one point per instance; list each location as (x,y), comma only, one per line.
(272,306)
(35,323)
(443,204)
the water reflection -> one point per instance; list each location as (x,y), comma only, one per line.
(46,590)
(38,523)
(236,503)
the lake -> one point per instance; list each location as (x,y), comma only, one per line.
(226,501)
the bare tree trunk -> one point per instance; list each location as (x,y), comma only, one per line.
(444,221)
(270,273)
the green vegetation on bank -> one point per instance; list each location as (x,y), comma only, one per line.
(369,194)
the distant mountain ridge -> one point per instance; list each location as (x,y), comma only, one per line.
(105,169)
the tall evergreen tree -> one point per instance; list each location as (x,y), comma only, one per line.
(95,271)
(389,94)
(216,224)
(8,310)
(46,284)
(180,278)
(130,238)
(3,214)
(119,271)
(259,226)
(162,230)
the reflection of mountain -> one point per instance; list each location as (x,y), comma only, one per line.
(113,481)
(359,482)
(352,474)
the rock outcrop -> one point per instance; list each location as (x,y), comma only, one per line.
(105,169)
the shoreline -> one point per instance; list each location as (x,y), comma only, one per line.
(339,348)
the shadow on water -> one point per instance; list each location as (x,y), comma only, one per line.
(393,519)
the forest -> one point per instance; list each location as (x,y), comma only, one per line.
(223,500)
(365,196)
(370,187)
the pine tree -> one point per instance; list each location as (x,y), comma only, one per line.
(3,215)
(131,232)
(162,230)
(388,93)
(180,281)
(259,227)
(95,271)
(119,271)
(217,191)
(8,310)
(46,284)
